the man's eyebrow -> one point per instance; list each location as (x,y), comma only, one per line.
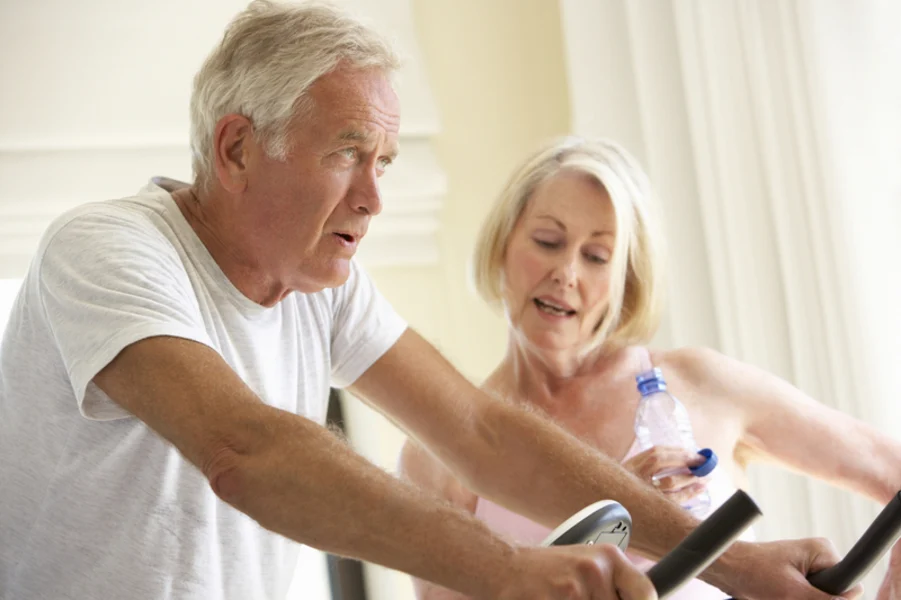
(355,135)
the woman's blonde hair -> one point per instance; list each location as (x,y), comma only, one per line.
(270,55)
(635,300)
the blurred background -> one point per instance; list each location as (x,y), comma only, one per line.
(770,128)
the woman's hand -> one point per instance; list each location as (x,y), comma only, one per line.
(680,486)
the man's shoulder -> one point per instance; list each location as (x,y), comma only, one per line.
(121,227)
(135,210)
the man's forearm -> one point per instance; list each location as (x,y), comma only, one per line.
(308,485)
(532,466)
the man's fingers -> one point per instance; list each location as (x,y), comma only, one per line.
(632,584)
(628,582)
(822,555)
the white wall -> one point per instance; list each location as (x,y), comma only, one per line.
(8,290)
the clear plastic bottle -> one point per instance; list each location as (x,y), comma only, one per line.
(661,420)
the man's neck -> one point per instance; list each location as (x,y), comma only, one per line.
(216,234)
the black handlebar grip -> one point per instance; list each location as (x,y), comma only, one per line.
(878,538)
(705,544)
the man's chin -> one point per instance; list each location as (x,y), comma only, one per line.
(335,274)
(323,274)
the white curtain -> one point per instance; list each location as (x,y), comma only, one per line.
(767,129)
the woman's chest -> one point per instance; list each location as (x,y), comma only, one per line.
(603,415)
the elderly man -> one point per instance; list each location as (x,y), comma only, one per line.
(164,375)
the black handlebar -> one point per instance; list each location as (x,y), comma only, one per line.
(879,537)
(715,534)
(705,544)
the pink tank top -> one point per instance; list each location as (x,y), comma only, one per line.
(526,532)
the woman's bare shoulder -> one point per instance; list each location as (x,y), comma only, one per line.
(696,364)
(705,375)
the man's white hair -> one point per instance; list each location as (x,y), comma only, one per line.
(270,55)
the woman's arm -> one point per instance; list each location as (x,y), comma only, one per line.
(424,470)
(781,424)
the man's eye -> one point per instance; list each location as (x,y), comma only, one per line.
(350,153)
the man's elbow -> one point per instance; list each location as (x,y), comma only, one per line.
(224,472)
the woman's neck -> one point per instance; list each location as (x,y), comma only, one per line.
(547,379)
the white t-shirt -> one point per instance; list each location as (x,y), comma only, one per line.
(93,504)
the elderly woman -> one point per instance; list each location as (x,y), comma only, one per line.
(570,252)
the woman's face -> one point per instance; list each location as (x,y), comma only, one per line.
(556,268)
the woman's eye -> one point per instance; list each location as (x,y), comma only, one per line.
(547,244)
(596,259)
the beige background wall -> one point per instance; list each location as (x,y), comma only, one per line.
(496,71)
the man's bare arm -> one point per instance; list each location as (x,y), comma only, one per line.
(293,476)
(508,454)
(530,465)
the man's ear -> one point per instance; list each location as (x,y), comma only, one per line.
(232,142)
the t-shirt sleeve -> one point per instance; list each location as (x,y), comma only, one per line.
(365,327)
(108,279)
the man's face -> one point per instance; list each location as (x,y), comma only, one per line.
(307,214)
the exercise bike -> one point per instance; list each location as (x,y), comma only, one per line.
(609,522)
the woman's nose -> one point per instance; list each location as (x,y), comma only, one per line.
(565,273)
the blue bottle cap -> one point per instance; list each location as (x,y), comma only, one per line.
(655,373)
(707,466)
(651,381)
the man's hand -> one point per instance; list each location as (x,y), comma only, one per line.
(776,570)
(574,572)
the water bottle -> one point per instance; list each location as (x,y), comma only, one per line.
(662,420)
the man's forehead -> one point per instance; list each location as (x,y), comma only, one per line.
(357,93)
